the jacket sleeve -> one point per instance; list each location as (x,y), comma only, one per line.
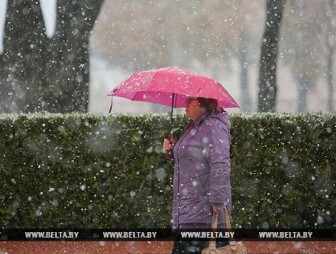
(217,142)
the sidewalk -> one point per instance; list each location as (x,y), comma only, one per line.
(154,247)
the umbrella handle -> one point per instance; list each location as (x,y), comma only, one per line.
(111,105)
(169,153)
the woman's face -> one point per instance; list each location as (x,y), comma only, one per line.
(193,109)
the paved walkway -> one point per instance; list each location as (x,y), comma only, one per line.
(154,247)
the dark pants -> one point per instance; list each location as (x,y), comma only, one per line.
(194,246)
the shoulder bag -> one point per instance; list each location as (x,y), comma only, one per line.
(233,246)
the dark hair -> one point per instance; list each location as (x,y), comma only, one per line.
(209,105)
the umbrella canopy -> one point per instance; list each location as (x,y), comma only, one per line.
(171,87)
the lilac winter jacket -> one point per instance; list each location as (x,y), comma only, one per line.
(202,171)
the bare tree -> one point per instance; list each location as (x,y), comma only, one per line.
(267,97)
(310,35)
(329,40)
(141,35)
(299,25)
(247,42)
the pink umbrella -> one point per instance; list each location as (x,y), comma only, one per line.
(161,85)
(171,87)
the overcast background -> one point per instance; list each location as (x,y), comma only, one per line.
(119,19)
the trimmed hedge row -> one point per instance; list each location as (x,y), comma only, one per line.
(99,171)
(284,170)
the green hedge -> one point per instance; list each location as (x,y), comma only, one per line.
(108,171)
(284,170)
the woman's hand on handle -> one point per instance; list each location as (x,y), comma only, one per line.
(168,144)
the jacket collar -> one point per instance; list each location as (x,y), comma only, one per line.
(199,120)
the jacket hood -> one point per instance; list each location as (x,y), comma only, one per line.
(224,118)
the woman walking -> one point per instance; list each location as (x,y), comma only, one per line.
(202,172)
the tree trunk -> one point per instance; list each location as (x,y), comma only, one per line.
(329,75)
(304,84)
(268,62)
(47,74)
(243,63)
(23,61)
(331,47)
(67,70)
